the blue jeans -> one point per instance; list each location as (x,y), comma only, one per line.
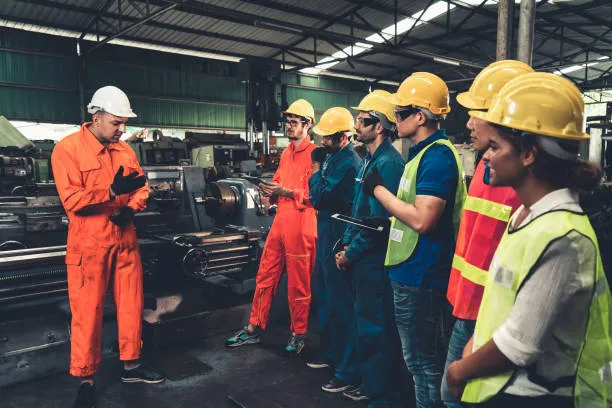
(420,316)
(462,332)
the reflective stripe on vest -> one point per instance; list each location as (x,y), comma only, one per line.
(517,254)
(469,271)
(491,209)
(403,239)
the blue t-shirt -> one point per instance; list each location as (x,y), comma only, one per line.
(430,263)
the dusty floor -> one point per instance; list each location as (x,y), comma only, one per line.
(201,374)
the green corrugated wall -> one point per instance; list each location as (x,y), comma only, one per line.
(39,82)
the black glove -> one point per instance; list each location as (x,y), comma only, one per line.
(318,154)
(126,184)
(123,216)
(378,221)
(372,180)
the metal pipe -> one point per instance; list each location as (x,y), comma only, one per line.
(503,11)
(526,31)
(266,136)
(36,295)
(131,27)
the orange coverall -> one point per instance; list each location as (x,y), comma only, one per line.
(291,242)
(98,251)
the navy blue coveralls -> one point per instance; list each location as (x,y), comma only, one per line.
(331,191)
(373,297)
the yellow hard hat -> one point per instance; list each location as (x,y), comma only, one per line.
(377,101)
(489,81)
(301,107)
(423,90)
(540,103)
(335,120)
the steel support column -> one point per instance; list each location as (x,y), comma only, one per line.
(526,30)
(503,26)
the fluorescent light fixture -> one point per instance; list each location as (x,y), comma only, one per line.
(605,57)
(434,11)
(447,61)
(574,68)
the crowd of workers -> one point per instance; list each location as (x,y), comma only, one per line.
(495,295)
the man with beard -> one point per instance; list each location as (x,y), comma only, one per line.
(426,213)
(364,253)
(331,186)
(101,186)
(292,238)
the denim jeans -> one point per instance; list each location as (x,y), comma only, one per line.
(462,332)
(421,315)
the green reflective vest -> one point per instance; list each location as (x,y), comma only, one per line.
(517,254)
(402,238)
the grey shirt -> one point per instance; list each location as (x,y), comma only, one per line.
(543,333)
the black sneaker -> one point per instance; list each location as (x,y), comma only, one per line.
(320,363)
(242,338)
(295,344)
(141,374)
(85,396)
(355,394)
(337,385)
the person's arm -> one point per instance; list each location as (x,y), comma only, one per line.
(421,216)
(435,185)
(366,241)
(74,195)
(138,199)
(325,192)
(487,361)
(539,305)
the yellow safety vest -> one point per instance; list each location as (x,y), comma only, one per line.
(517,254)
(402,238)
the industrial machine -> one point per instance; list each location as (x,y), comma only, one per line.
(200,243)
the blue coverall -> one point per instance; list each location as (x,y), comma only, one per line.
(373,296)
(331,192)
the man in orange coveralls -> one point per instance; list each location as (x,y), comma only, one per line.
(292,239)
(101,185)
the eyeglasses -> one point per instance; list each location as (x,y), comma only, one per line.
(367,121)
(402,114)
(294,122)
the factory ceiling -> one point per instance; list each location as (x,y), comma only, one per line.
(382,40)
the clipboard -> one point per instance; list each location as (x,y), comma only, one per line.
(358,222)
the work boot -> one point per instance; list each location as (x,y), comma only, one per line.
(242,338)
(295,344)
(337,385)
(85,396)
(141,374)
(355,394)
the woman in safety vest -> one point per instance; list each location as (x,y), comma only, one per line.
(542,336)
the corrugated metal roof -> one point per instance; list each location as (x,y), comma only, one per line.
(263,28)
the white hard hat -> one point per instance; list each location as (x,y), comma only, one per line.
(112,100)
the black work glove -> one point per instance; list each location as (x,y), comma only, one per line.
(372,180)
(378,221)
(126,184)
(318,154)
(123,216)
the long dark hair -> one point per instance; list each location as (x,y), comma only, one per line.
(579,174)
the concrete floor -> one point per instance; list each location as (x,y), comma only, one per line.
(201,374)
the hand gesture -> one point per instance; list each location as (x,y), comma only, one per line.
(126,184)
